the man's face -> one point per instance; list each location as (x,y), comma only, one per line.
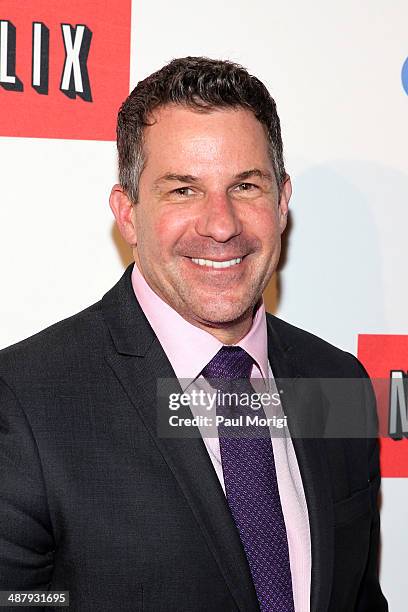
(208,220)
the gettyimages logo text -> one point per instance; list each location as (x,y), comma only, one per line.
(74,71)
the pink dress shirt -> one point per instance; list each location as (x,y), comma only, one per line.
(189,349)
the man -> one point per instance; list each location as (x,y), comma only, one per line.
(94,499)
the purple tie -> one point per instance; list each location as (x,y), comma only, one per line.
(251,486)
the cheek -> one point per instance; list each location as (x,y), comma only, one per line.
(263,223)
(155,224)
(169,226)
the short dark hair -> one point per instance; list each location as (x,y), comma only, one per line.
(200,83)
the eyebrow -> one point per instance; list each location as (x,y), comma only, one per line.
(242,176)
(179,178)
(189,178)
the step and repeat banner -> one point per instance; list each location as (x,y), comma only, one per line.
(339,74)
(64,68)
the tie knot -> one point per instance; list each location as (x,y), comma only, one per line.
(231,362)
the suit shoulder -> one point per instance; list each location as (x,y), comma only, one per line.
(313,354)
(54,343)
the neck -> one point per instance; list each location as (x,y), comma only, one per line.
(231,334)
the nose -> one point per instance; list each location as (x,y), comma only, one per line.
(218,218)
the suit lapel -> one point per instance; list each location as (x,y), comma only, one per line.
(139,361)
(313,466)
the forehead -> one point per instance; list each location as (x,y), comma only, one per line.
(230,135)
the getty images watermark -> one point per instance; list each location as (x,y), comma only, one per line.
(232,409)
(297,407)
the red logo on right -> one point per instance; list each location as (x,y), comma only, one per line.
(385,358)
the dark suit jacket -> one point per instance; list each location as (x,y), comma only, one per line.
(93,501)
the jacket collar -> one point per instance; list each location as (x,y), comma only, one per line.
(129,328)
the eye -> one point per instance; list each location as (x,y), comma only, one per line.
(246,187)
(183,191)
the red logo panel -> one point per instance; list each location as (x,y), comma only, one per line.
(64,67)
(386,359)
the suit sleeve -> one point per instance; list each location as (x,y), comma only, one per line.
(26,541)
(370,597)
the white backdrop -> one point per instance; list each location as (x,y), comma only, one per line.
(335,72)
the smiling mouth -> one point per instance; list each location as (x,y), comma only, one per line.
(210,263)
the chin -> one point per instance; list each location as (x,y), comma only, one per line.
(222,313)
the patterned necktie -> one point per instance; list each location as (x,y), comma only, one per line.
(251,487)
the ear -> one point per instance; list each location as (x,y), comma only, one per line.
(124,213)
(283,208)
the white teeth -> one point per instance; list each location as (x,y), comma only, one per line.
(217,264)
